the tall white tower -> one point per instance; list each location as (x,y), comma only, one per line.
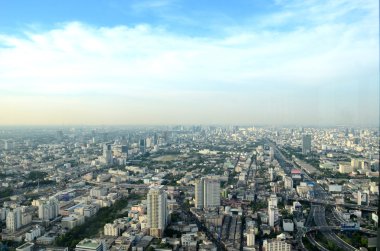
(272,210)
(157,211)
(271,174)
(251,237)
(359,198)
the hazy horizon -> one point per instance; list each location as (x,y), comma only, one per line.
(165,62)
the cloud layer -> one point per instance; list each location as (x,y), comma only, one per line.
(266,70)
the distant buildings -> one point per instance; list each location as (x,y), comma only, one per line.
(157,211)
(207,193)
(306,144)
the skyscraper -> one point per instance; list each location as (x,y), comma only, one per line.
(142,144)
(207,193)
(306,144)
(107,153)
(272,210)
(199,194)
(157,211)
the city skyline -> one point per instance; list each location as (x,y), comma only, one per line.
(174,62)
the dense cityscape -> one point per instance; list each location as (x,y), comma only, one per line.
(189,188)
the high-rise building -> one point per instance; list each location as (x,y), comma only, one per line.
(272,210)
(288,182)
(13,220)
(157,211)
(199,200)
(207,193)
(359,198)
(306,144)
(251,237)
(271,174)
(142,145)
(124,151)
(107,154)
(271,153)
(49,209)
(112,229)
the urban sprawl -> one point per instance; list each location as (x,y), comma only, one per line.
(188,188)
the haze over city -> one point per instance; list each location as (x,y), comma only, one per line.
(168,62)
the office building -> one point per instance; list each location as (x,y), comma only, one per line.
(306,144)
(142,145)
(207,193)
(157,211)
(107,154)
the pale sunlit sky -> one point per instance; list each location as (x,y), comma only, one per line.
(189,62)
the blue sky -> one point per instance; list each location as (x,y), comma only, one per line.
(184,62)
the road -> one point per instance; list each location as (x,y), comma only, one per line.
(316,211)
(320,221)
(200,225)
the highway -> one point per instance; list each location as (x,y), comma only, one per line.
(317,212)
(320,221)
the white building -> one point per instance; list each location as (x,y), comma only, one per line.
(188,240)
(276,245)
(288,182)
(25,247)
(13,220)
(98,192)
(91,245)
(72,221)
(271,174)
(49,209)
(112,229)
(251,237)
(288,225)
(33,233)
(344,168)
(157,211)
(272,216)
(272,210)
(359,198)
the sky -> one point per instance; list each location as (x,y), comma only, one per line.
(280,62)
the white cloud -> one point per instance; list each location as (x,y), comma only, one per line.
(147,63)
